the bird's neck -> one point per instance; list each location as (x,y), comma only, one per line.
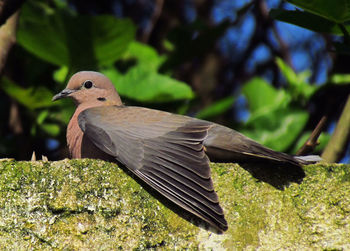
(74,135)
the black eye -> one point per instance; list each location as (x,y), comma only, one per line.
(88,84)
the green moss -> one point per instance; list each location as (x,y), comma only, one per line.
(80,204)
(314,214)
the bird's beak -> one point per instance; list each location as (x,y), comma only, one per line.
(63,94)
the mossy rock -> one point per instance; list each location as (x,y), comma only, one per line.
(94,205)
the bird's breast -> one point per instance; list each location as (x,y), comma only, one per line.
(80,146)
(74,138)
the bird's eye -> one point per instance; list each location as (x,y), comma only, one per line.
(88,84)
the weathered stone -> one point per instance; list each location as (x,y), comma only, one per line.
(91,204)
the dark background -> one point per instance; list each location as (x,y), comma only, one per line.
(271,80)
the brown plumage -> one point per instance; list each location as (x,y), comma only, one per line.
(166,151)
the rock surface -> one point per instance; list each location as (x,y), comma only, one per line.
(94,205)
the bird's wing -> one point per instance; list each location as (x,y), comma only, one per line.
(226,144)
(164,150)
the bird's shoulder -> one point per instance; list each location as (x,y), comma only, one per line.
(136,118)
(130,114)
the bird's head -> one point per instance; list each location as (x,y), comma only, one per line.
(89,88)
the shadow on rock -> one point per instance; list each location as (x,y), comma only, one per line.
(277,175)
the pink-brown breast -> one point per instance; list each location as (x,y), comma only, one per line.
(80,146)
(74,136)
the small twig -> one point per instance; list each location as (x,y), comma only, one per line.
(8,8)
(152,22)
(312,142)
(284,49)
(337,144)
(15,122)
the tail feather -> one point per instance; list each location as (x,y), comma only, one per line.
(309,159)
(224,144)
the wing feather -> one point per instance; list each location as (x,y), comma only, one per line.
(166,151)
(184,172)
(180,198)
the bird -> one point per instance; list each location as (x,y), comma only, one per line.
(168,152)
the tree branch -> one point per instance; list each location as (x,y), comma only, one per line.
(7,38)
(8,8)
(158,6)
(336,145)
(312,142)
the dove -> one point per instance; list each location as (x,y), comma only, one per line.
(168,152)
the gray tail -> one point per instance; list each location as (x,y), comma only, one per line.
(309,159)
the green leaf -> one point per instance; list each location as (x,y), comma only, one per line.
(110,37)
(61,74)
(219,107)
(300,89)
(78,42)
(51,129)
(169,46)
(65,105)
(145,55)
(40,33)
(137,77)
(340,79)
(42,116)
(277,128)
(289,73)
(261,95)
(336,11)
(148,86)
(307,20)
(31,98)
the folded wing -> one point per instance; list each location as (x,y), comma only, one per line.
(164,150)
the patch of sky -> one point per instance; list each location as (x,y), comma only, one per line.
(52,144)
(224,9)
(241,109)
(273,3)
(322,75)
(305,46)
(260,55)
(346,159)
(300,60)
(235,41)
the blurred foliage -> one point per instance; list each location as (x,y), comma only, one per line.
(192,40)
(31,97)
(278,116)
(64,38)
(320,16)
(55,40)
(216,108)
(141,81)
(340,79)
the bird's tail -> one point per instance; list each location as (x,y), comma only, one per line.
(224,144)
(309,159)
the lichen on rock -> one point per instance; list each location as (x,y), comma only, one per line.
(92,204)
